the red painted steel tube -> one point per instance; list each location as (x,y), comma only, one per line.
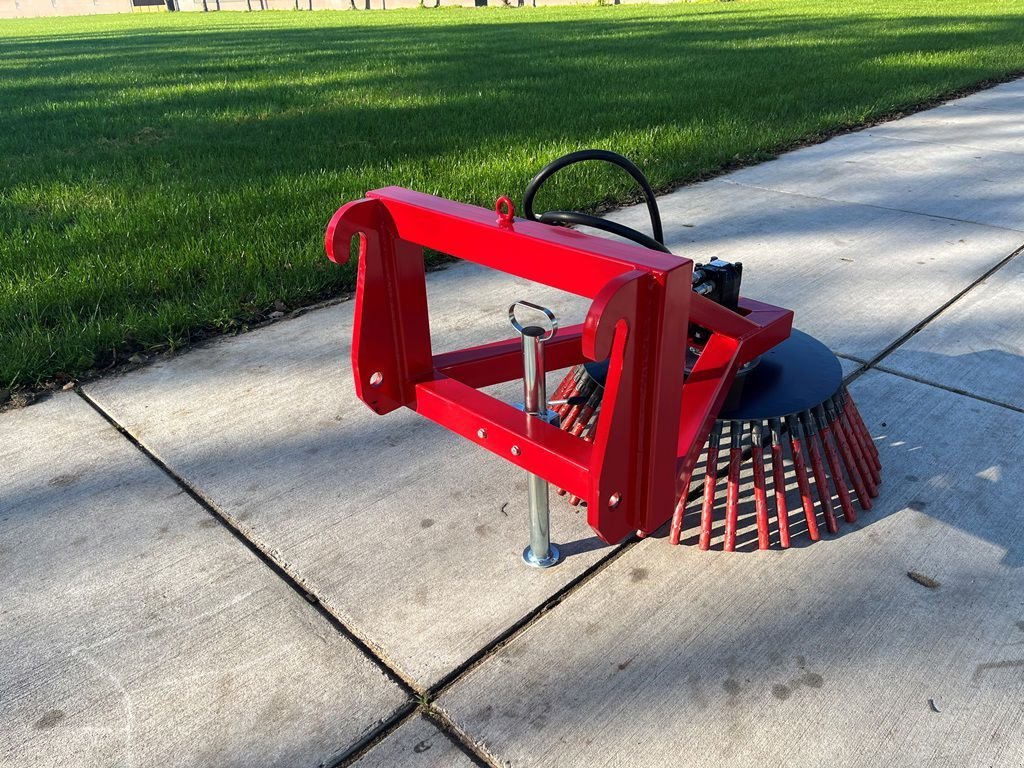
(796,434)
(779,483)
(566,259)
(732,496)
(708,384)
(502,361)
(543,448)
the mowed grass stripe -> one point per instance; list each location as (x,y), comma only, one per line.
(168,174)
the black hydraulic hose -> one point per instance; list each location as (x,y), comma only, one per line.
(576,218)
(657,242)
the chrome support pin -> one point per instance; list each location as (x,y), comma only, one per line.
(541,553)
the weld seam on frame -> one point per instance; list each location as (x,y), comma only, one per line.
(921,325)
(391,671)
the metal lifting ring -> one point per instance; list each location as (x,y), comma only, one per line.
(547,312)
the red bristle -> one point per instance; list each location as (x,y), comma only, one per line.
(835,468)
(760,497)
(732,496)
(779,481)
(796,440)
(710,481)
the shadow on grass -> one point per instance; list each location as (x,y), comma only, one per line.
(177,179)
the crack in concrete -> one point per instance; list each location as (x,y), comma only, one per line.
(421,700)
(873,362)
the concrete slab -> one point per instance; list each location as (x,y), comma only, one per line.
(993,125)
(823,655)
(857,277)
(409,534)
(977,345)
(955,182)
(136,630)
(417,744)
(997,97)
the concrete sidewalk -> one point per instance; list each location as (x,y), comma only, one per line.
(226,559)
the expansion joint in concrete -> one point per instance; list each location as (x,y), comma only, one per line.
(388,668)
(873,362)
(420,701)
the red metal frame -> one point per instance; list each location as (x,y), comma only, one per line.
(653,423)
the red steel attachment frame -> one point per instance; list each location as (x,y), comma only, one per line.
(653,423)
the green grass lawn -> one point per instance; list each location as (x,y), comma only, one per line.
(163,175)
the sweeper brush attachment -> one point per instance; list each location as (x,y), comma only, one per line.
(672,373)
(789,407)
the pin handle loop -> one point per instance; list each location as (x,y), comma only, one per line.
(544,310)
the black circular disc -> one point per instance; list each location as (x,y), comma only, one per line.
(794,376)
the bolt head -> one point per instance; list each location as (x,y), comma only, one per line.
(516,450)
(482,434)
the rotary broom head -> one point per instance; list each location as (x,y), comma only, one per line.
(789,417)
